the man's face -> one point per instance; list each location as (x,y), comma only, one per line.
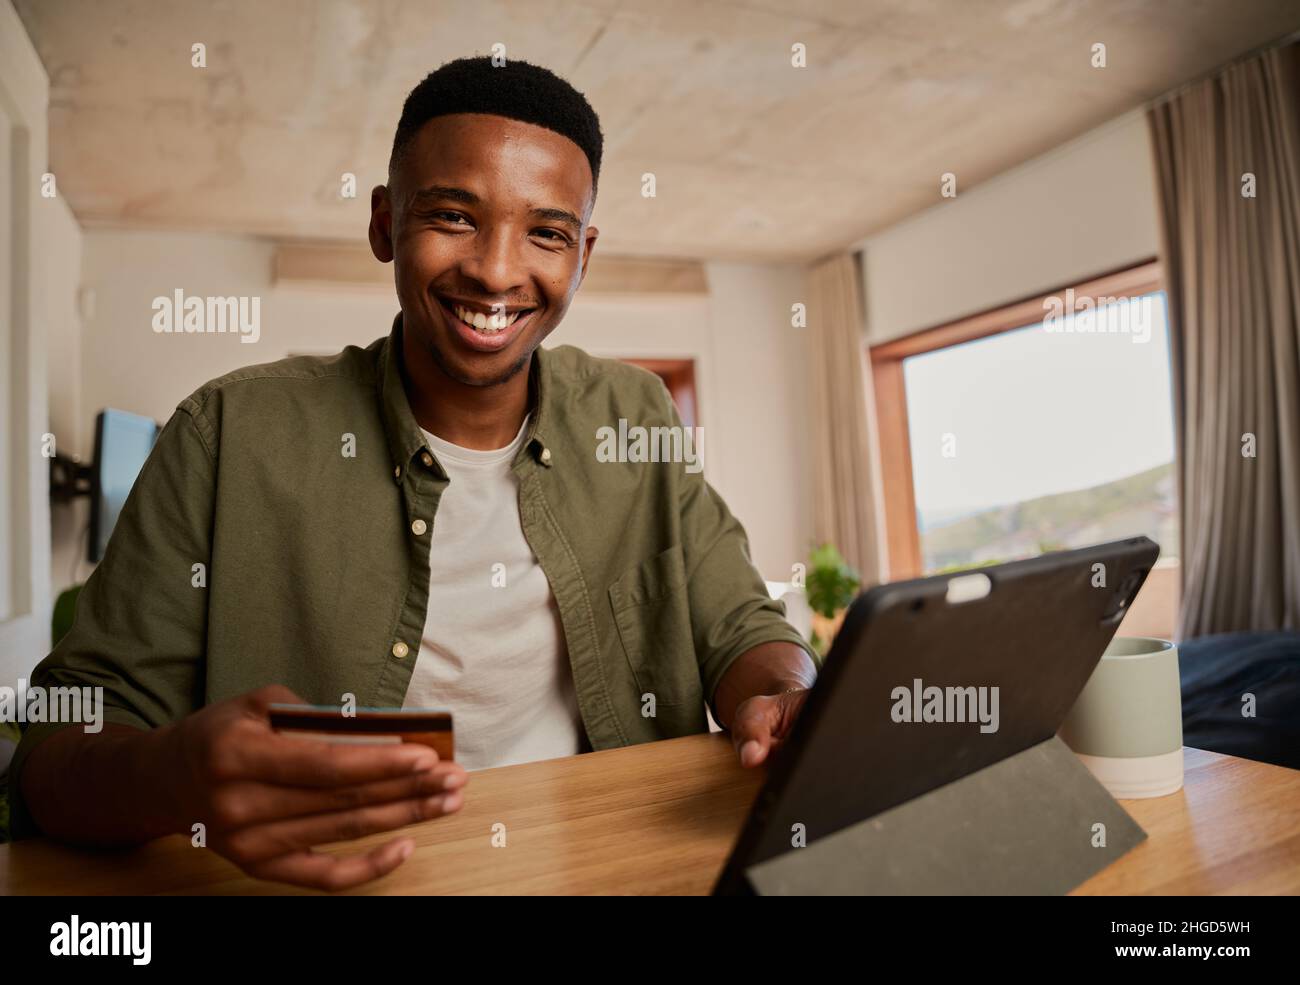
(485,219)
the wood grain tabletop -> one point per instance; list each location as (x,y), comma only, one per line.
(660,818)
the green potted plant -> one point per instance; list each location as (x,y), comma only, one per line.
(832,585)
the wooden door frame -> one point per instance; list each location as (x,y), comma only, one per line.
(678,375)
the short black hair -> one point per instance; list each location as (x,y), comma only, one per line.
(515,89)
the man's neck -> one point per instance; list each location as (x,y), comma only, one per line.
(483,418)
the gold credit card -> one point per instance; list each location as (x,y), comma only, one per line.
(427,726)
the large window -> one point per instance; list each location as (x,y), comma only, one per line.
(1043,426)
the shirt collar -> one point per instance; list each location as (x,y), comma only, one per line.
(406,440)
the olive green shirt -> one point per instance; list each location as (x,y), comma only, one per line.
(274,535)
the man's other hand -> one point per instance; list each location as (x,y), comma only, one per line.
(763,722)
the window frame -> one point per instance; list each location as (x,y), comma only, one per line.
(902,536)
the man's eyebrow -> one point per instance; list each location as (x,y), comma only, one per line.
(446,192)
(466,197)
(560,215)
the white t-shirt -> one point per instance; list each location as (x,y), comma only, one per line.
(493,648)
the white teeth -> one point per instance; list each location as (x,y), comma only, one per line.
(487,324)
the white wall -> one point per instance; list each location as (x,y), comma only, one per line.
(68,423)
(125,364)
(27,249)
(749,361)
(63,327)
(762,409)
(1084,208)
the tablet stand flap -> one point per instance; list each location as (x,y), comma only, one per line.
(1034,823)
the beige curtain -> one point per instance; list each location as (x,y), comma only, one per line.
(1232,264)
(846,473)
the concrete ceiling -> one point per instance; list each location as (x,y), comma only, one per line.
(753,159)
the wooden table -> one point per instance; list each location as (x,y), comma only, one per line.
(661,817)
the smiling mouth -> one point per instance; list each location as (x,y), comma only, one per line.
(482,322)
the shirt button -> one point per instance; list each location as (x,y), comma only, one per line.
(546,456)
(400,649)
(397,472)
(427,459)
(418,527)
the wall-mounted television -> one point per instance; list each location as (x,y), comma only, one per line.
(122,443)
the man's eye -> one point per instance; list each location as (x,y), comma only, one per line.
(554,235)
(452,217)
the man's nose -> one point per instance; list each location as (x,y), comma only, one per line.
(495,263)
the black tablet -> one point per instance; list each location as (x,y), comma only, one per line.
(933,679)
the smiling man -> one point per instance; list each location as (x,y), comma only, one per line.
(422,522)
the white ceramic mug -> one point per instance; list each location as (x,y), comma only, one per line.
(1127,725)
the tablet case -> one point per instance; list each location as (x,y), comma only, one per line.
(1034,823)
(1002,811)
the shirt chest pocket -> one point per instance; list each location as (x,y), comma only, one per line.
(652,612)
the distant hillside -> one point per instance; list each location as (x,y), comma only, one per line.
(1137,504)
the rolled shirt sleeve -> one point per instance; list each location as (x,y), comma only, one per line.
(141,617)
(731,610)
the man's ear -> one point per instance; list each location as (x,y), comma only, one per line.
(590,236)
(381,224)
